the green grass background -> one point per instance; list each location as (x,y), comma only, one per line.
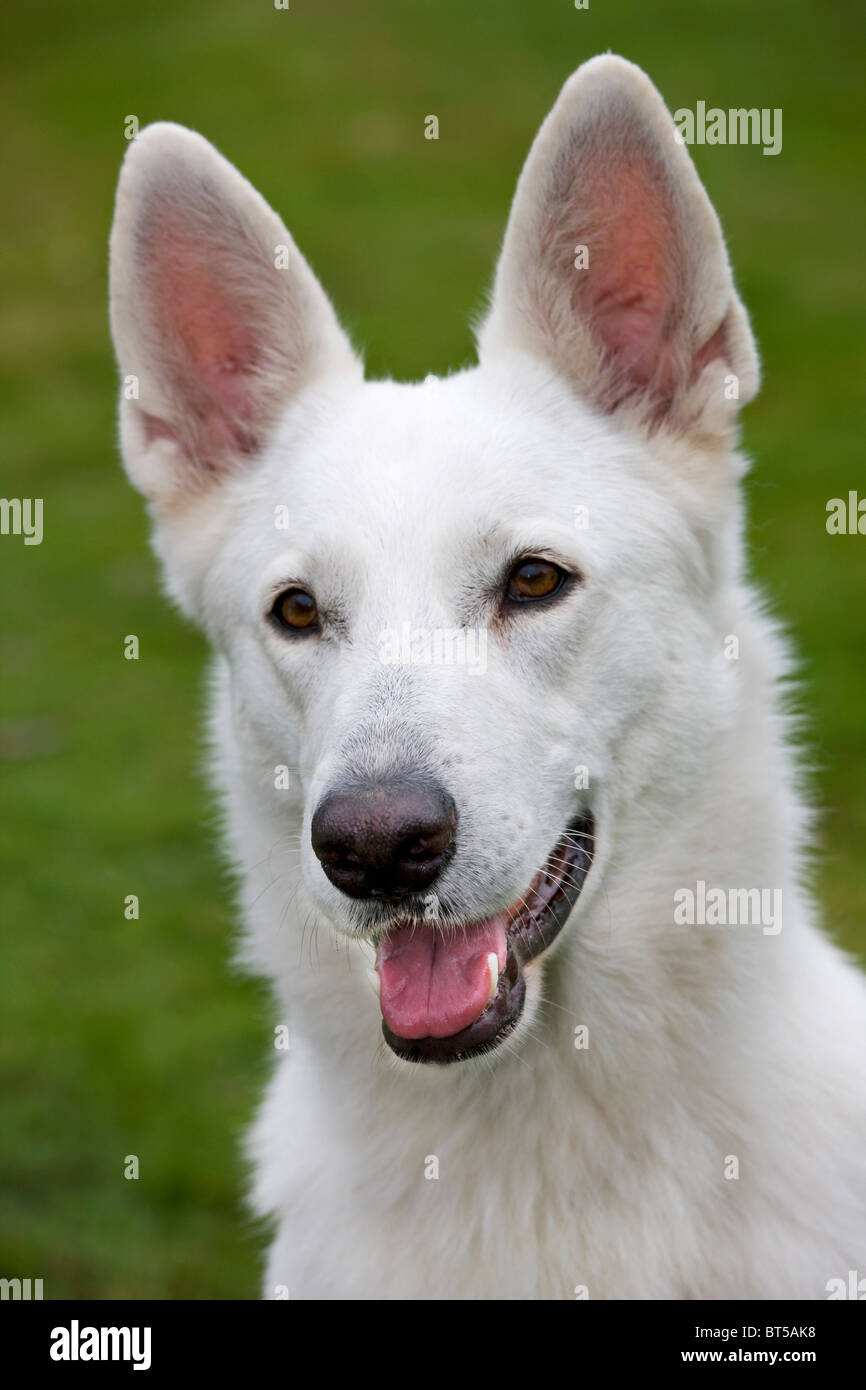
(132,1037)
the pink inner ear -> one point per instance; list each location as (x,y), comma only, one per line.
(634,291)
(208,337)
(629,291)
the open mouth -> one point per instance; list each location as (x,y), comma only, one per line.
(449,995)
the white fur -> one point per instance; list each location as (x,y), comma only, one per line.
(559,1167)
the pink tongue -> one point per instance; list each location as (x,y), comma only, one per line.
(434,983)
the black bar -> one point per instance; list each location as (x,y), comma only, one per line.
(244,1337)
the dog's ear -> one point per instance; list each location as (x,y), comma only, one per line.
(614,268)
(217,318)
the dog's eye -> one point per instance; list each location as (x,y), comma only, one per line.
(534,579)
(296,610)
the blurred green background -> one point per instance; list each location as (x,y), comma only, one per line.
(122,1037)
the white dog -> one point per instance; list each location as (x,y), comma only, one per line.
(502,740)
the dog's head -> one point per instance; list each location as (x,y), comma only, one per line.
(471,625)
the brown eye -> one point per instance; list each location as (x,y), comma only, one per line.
(297,610)
(533,579)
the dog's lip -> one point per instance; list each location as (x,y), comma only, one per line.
(534,921)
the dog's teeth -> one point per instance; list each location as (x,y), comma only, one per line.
(493,963)
(373,977)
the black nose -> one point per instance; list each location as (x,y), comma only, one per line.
(385,839)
